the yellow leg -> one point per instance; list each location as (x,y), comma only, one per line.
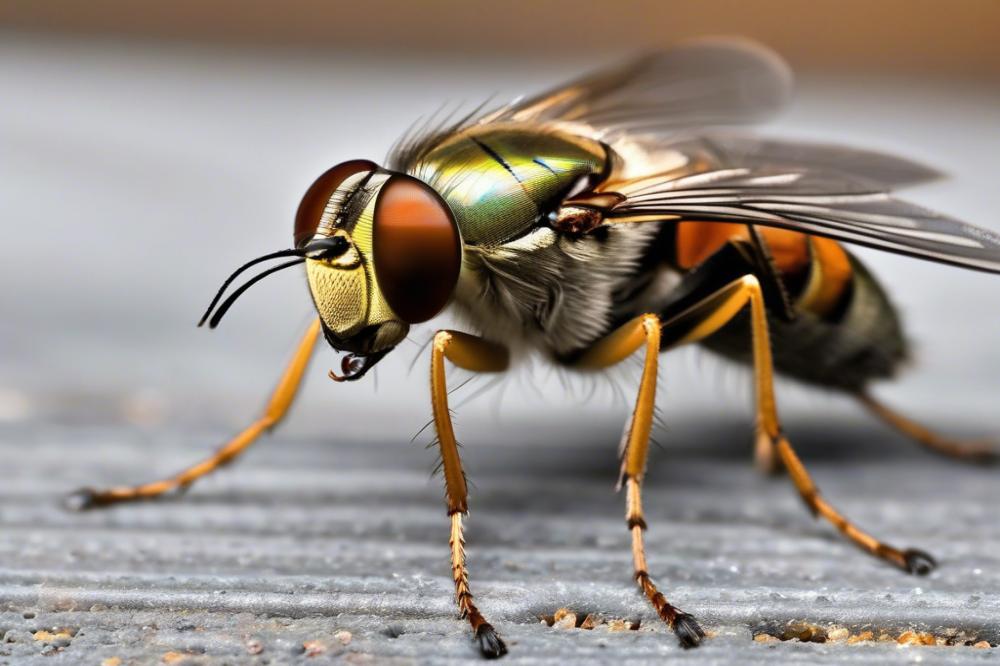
(970,451)
(709,316)
(281,400)
(478,355)
(642,331)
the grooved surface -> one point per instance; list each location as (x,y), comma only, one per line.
(306,538)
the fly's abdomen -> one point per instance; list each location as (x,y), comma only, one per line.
(500,180)
(859,341)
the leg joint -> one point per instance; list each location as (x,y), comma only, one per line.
(441,340)
(751,283)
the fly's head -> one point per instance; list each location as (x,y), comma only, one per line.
(382,252)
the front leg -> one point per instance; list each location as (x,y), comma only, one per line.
(277,408)
(478,355)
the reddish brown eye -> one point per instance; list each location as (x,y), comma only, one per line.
(417,249)
(314,201)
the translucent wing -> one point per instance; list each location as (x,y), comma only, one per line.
(708,82)
(815,202)
(706,151)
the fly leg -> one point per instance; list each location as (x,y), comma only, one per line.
(281,400)
(643,331)
(478,355)
(709,315)
(969,451)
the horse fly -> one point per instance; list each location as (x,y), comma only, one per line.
(608,216)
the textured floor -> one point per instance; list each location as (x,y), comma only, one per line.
(305,540)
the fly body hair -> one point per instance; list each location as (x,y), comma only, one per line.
(547,291)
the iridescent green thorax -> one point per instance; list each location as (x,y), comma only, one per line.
(500,179)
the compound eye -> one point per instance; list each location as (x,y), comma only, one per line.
(314,202)
(417,249)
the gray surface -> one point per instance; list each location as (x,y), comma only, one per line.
(146,172)
(305,539)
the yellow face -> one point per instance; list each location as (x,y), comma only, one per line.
(382,252)
(356,218)
(347,295)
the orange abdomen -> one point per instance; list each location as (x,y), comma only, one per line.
(821,264)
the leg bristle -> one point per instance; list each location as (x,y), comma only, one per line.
(689,632)
(918,562)
(490,644)
(81,500)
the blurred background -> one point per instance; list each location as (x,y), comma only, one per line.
(146,149)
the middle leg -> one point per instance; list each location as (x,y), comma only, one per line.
(641,331)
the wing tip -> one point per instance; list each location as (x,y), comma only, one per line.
(747,49)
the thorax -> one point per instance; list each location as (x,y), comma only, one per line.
(550,292)
(500,180)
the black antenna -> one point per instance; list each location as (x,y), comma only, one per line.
(236,273)
(220,313)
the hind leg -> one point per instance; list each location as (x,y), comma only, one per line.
(706,317)
(975,451)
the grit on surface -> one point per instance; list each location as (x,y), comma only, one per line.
(305,540)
